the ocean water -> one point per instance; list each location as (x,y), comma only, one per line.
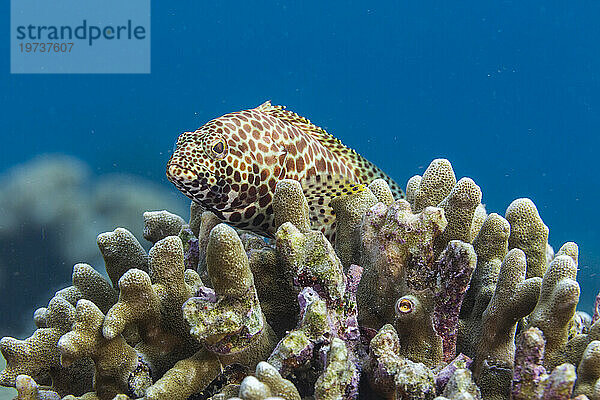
(508,91)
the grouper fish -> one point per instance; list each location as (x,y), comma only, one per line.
(231,165)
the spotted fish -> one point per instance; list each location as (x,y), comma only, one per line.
(231,165)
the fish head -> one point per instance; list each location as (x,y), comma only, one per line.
(216,166)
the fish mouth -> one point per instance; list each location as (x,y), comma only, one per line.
(178,173)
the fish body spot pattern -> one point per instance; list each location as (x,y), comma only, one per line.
(232,164)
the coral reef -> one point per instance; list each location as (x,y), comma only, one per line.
(530,380)
(51,210)
(425,298)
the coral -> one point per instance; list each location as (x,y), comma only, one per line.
(277,298)
(266,384)
(461,201)
(290,205)
(152,301)
(433,187)
(322,321)
(208,222)
(227,318)
(28,389)
(87,284)
(309,259)
(443,376)
(118,369)
(452,302)
(391,237)
(393,376)
(39,357)
(479,218)
(196,212)
(382,191)
(529,373)
(588,372)
(188,376)
(556,306)
(577,344)
(51,210)
(596,315)
(491,246)
(461,387)
(530,380)
(528,233)
(349,211)
(340,378)
(513,298)
(427,294)
(160,224)
(121,251)
(459,207)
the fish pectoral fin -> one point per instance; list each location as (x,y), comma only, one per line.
(319,190)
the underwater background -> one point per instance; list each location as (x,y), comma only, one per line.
(509,92)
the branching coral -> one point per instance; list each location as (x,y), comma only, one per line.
(39,357)
(51,210)
(433,187)
(152,301)
(391,238)
(588,372)
(452,302)
(118,369)
(528,233)
(228,317)
(160,224)
(513,298)
(530,381)
(393,376)
(266,383)
(340,378)
(402,283)
(298,355)
(121,251)
(461,387)
(556,306)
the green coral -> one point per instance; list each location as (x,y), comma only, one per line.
(408,241)
(393,376)
(588,372)
(266,384)
(529,234)
(118,369)
(338,374)
(382,191)
(160,224)
(291,205)
(513,298)
(38,356)
(433,187)
(121,251)
(232,322)
(193,316)
(461,387)
(556,307)
(349,211)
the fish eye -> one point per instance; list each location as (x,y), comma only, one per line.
(219,147)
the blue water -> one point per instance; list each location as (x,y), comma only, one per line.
(509,92)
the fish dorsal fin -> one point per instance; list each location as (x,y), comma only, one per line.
(319,190)
(365,170)
(304,124)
